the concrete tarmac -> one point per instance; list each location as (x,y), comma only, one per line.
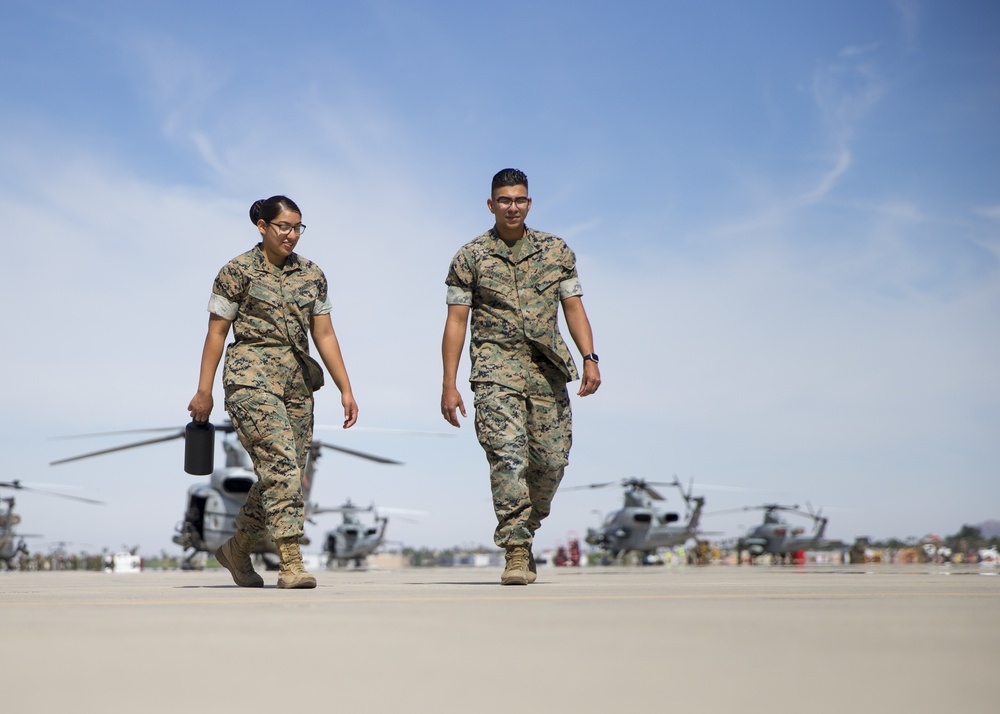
(604,640)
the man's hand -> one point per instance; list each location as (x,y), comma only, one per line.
(591,378)
(451,401)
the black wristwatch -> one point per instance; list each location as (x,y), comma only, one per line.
(592,356)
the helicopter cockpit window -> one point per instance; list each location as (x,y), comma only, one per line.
(237,484)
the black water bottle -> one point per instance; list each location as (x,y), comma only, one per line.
(199,448)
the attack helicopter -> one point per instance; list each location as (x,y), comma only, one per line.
(9,549)
(211,508)
(12,545)
(777,537)
(354,540)
(639,526)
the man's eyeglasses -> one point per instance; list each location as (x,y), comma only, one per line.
(284,228)
(505,201)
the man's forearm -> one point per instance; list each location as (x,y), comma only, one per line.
(579,325)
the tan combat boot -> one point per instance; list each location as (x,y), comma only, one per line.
(516,572)
(292,573)
(532,568)
(234,555)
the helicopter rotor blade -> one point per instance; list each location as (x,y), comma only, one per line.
(590,485)
(68,496)
(402,512)
(17,485)
(690,490)
(178,435)
(728,511)
(359,454)
(81,499)
(653,493)
(816,514)
(772,507)
(650,491)
(115,433)
(225,426)
(347,507)
(340,509)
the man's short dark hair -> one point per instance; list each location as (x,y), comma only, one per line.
(509,177)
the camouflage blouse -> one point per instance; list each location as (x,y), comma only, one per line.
(515,305)
(270,308)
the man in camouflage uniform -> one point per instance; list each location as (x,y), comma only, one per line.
(512,280)
(272,298)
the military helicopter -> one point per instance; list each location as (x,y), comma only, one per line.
(777,537)
(210,514)
(354,540)
(8,548)
(639,526)
(12,545)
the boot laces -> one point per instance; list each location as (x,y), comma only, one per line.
(518,559)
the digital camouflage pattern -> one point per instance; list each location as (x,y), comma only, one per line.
(527,441)
(276,432)
(520,367)
(270,307)
(270,379)
(515,305)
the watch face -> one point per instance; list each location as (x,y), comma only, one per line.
(591,356)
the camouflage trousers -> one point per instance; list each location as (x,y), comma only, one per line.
(276,432)
(527,439)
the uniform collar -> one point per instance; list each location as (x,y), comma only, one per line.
(260,261)
(500,247)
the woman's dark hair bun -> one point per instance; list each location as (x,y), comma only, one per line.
(267,209)
(255,210)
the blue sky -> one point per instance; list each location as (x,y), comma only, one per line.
(786,217)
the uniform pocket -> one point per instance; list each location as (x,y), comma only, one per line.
(306,297)
(262,294)
(494,286)
(240,404)
(547,281)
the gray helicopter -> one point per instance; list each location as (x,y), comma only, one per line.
(11,544)
(210,513)
(777,537)
(639,526)
(354,540)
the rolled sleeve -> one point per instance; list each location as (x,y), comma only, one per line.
(323,306)
(459,296)
(570,288)
(226,309)
(460,280)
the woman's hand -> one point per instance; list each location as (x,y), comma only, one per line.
(201,406)
(350,409)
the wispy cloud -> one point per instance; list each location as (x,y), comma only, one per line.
(175,78)
(909,13)
(990,212)
(845,92)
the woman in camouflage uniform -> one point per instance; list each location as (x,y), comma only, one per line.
(272,298)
